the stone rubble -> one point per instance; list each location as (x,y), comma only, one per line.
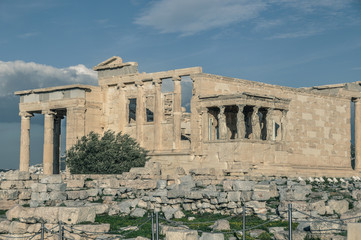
(73,199)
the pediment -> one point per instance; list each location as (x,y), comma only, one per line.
(113,62)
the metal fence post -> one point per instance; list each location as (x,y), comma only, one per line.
(157,224)
(42,231)
(152,215)
(290,221)
(60,232)
(244,222)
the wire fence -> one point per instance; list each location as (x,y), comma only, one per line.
(71,232)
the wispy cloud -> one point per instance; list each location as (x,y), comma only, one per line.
(28,35)
(298,34)
(189,17)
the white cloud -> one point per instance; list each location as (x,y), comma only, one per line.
(20,75)
(189,17)
(298,34)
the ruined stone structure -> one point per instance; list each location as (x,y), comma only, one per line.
(233,125)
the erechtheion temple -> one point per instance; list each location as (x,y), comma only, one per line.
(231,125)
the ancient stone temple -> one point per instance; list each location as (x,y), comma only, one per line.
(190,119)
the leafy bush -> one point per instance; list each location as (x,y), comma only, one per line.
(109,154)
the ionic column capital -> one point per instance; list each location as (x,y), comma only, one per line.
(48,112)
(26,114)
(176,78)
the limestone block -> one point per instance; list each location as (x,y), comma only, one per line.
(9,194)
(353,231)
(255,233)
(356,194)
(39,187)
(227,185)
(122,208)
(47,214)
(234,196)
(175,193)
(221,225)
(179,214)
(16,175)
(108,183)
(138,212)
(261,195)
(57,195)
(161,184)
(7,204)
(258,207)
(74,195)
(210,194)
(93,192)
(52,179)
(110,191)
(17,227)
(175,234)
(339,206)
(353,215)
(11,184)
(194,195)
(142,204)
(140,184)
(4,226)
(168,211)
(318,206)
(35,228)
(56,187)
(246,196)
(212,236)
(100,208)
(243,185)
(25,194)
(76,183)
(75,215)
(40,196)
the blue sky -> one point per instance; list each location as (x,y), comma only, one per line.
(294,43)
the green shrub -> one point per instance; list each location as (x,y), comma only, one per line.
(109,154)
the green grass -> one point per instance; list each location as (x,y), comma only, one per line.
(2,212)
(201,222)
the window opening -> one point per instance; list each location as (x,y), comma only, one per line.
(213,123)
(132,110)
(149,103)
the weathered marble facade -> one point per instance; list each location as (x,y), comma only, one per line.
(236,126)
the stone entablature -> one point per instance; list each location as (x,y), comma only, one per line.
(231,124)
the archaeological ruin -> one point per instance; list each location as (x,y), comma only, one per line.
(194,120)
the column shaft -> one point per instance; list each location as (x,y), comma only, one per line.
(357,134)
(222,123)
(269,125)
(140,113)
(256,128)
(25,142)
(177,113)
(158,115)
(48,151)
(241,127)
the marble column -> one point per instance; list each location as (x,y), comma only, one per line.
(158,115)
(269,125)
(222,123)
(256,128)
(140,112)
(357,134)
(123,104)
(48,150)
(241,127)
(177,113)
(25,141)
(283,124)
